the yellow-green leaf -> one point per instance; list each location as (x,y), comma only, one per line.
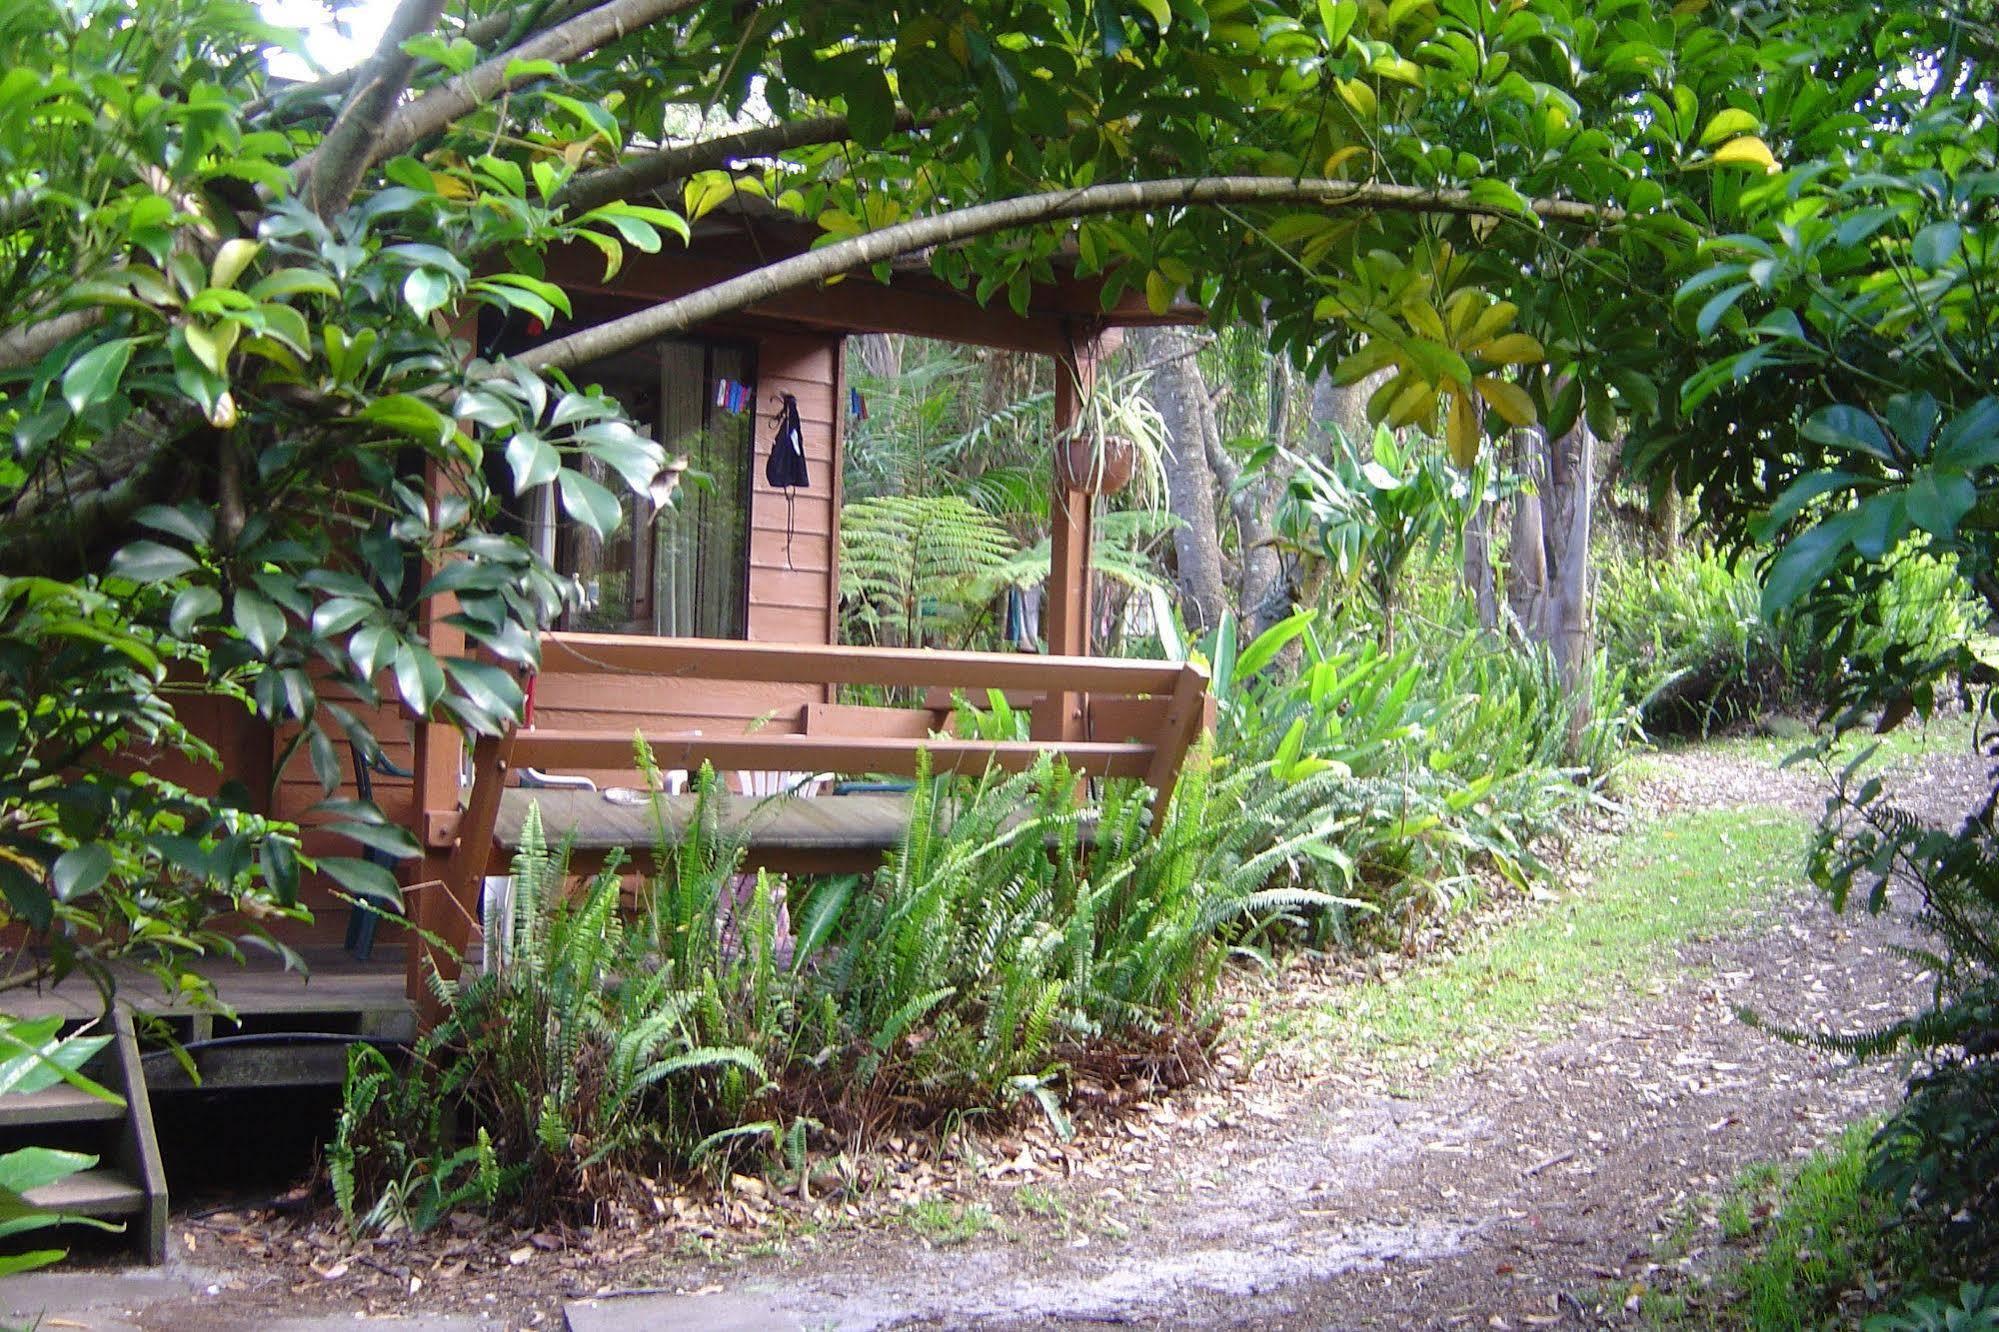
(231,260)
(1512,349)
(1422,317)
(1358,97)
(1416,402)
(1461,430)
(1513,403)
(1159,291)
(1725,122)
(1747,151)
(1161,12)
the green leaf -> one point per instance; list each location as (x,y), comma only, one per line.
(81,871)
(364,879)
(1936,245)
(94,377)
(419,679)
(1718,306)
(36,1167)
(1338,16)
(533,459)
(1937,501)
(191,606)
(259,619)
(1804,562)
(408,415)
(589,502)
(426,290)
(1728,122)
(151,562)
(1842,427)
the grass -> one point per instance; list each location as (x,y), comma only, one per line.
(1803,1248)
(1683,877)
(944,1224)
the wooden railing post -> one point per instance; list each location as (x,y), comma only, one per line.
(448,910)
(1191,711)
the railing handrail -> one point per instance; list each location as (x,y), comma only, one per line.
(604,750)
(796,663)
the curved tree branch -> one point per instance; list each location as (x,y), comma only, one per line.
(440,106)
(330,173)
(962,224)
(651,171)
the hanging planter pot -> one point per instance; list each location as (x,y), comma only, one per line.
(1118,441)
(1095,466)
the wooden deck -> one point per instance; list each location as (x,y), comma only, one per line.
(869,822)
(336,996)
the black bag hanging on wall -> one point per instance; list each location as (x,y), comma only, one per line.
(786,466)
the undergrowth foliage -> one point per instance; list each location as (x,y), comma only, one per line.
(1017,935)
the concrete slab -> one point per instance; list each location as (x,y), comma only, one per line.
(102,1295)
(680,1313)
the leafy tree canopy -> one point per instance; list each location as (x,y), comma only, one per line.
(233,346)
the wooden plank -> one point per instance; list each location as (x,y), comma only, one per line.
(138,1152)
(720,659)
(1113,718)
(870,822)
(60,1104)
(851,719)
(1186,716)
(568,751)
(96,1193)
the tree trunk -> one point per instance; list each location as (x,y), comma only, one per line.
(1549,587)
(1181,395)
(1479,577)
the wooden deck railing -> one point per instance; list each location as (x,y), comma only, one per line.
(1106,717)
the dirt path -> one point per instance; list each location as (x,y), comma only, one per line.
(1527,1190)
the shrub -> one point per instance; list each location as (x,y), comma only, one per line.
(1690,634)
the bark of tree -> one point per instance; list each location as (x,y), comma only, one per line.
(344,154)
(1480,579)
(641,175)
(1549,584)
(1181,395)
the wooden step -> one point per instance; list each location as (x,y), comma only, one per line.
(99,1193)
(60,1104)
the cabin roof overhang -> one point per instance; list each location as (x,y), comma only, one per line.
(1060,314)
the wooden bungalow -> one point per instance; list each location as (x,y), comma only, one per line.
(710,626)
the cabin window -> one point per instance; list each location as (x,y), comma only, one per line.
(682,571)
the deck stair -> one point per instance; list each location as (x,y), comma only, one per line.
(129,1183)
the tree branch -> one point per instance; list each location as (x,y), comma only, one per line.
(492,28)
(962,224)
(653,170)
(565,41)
(329,174)
(28,343)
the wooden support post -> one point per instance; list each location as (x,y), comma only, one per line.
(1069,513)
(447,911)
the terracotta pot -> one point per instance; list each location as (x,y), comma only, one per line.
(1081,465)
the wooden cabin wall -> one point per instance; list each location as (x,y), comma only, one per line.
(794,601)
(298,789)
